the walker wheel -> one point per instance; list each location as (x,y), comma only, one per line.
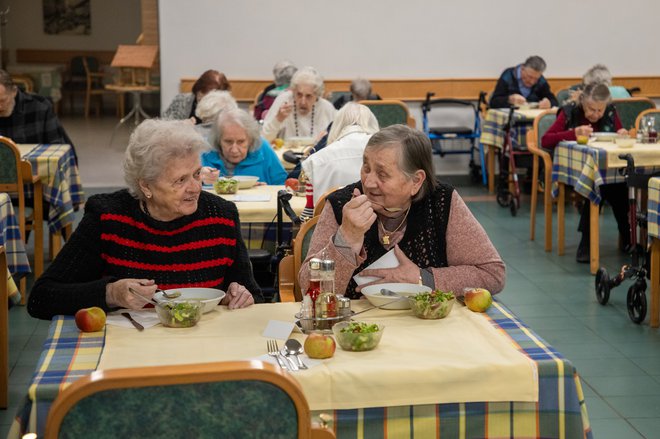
(602,286)
(504,198)
(636,302)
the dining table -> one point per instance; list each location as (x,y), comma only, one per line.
(485,375)
(10,238)
(653,222)
(493,134)
(586,168)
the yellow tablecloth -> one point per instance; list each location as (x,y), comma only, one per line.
(645,154)
(262,211)
(462,358)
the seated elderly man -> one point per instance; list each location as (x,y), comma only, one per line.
(27,118)
(300,111)
(522,84)
(360,91)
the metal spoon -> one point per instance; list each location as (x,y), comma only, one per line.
(386,292)
(172,295)
(136,294)
(294,348)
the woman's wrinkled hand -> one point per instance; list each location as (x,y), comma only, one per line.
(357,218)
(237,297)
(583,130)
(209,175)
(284,111)
(406,272)
(118,296)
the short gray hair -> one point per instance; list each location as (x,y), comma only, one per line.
(308,76)
(597,74)
(151,147)
(352,114)
(597,92)
(535,63)
(416,153)
(214,103)
(283,71)
(236,117)
(361,88)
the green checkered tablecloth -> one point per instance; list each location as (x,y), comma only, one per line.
(654,207)
(10,238)
(559,413)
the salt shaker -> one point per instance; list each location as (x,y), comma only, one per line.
(326,303)
(344,307)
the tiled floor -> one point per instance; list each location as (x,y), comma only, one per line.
(619,362)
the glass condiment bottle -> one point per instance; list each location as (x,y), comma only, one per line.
(314,288)
(326,303)
(652,133)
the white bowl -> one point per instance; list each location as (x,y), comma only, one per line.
(372,293)
(602,136)
(209,297)
(246,181)
(625,142)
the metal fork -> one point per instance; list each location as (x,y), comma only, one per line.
(273,351)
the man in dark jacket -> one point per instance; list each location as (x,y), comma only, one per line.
(523,84)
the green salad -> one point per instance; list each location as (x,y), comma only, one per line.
(434,305)
(226,186)
(358,336)
(179,314)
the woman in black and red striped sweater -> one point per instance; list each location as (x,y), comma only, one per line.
(163,231)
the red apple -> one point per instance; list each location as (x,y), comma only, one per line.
(319,346)
(292,183)
(477,299)
(90,319)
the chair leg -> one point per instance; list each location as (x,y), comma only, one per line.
(547,209)
(22,287)
(534,198)
(87,103)
(561,206)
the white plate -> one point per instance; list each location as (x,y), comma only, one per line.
(372,293)
(245,181)
(604,136)
(210,297)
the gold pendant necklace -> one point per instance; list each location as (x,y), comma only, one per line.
(386,233)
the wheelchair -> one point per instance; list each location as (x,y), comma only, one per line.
(458,120)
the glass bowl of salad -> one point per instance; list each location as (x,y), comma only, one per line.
(434,305)
(358,336)
(179,313)
(226,186)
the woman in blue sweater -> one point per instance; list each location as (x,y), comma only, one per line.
(240,150)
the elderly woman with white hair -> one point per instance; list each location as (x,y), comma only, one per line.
(162,232)
(300,111)
(238,149)
(339,163)
(209,108)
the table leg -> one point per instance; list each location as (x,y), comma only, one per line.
(594,214)
(561,223)
(655,282)
(491,169)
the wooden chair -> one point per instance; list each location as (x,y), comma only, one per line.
(14,173)
(641,117)
(390,112)
(4,332)
(24,82)
(320,203)
(85,78)
(224,399)
(541,124)
(629,109)
(290,265)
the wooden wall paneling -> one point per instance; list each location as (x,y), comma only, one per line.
(45,56)
(149,9)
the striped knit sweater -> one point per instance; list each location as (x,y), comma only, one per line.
(117,240)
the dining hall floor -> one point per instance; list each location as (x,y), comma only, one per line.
(618,361)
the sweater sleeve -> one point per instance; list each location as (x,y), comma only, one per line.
(557,132)
(500,97)
(472,259)
(74,280)
(241,271)
(545,92)
(275,171)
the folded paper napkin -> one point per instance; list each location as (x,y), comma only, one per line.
(388,260)
(145,317)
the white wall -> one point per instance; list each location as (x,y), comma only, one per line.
(114,22)
(413,38)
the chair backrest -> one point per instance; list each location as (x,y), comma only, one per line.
(629,109)
(4,331)
(644,115)
(13,172)
(390,112)
(300,249)
(320,203)
(563,96)
(211,400)
(449,116)
(542,123)
(24,82)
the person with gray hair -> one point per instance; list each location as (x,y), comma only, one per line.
(208,109)
(523,84)
(163,232)
(360,91)
(399,205)
(600,74)
(283,71)
(238,149)
(339,163)
(300,111)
